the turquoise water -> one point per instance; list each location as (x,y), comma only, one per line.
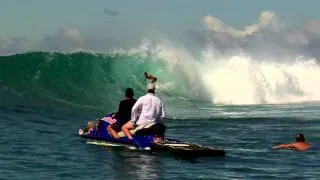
(47,97)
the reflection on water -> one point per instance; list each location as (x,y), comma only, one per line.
(132,164)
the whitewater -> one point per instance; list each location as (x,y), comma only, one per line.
(241,79)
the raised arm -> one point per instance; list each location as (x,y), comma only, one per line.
(150,77)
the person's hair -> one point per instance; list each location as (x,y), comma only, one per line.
(151,91)
(129,93)
(300,137)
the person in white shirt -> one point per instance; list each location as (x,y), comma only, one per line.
(148,109)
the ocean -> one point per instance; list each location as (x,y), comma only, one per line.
(238,104)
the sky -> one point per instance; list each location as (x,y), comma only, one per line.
(99,25)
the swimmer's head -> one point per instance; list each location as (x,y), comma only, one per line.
(300,137)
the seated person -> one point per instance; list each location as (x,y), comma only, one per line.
(299,145)
(124,113)
(90,126)
(148,109)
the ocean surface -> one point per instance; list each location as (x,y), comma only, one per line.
(46,97)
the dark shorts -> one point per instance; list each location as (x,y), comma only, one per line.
(116,127)
(156,129)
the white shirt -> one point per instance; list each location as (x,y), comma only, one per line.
(148,108)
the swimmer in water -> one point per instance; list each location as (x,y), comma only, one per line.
(299,145)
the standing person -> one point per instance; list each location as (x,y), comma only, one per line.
(148,109)
(124,113)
